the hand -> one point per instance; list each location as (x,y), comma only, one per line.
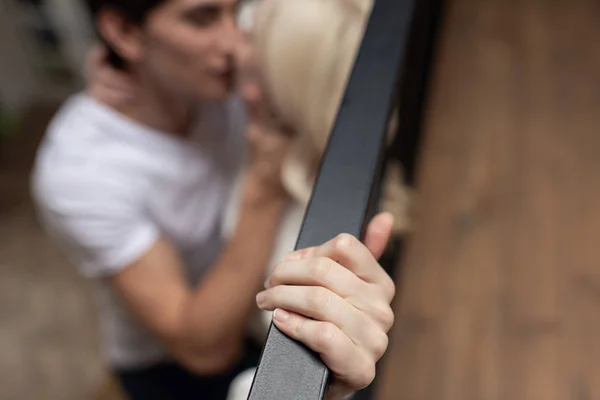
(106,84)
(340,310)
(269,148)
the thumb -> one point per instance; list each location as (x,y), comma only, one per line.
(378,233)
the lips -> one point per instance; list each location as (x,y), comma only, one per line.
(227,76)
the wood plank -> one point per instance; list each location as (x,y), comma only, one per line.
(500,293)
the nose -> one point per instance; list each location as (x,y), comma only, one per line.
(229,35)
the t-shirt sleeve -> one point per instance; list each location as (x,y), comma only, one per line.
(99,223)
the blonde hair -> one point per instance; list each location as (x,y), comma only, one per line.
(306,50)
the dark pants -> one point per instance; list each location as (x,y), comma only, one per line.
(169,381)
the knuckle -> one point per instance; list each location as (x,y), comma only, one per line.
(325,338)
(344,241)
(380,344)
(389,288)
(385,315)
(320,268)
(365,375)
(318,298)
(389,319)
(299,328)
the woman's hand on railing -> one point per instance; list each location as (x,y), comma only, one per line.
(335,298)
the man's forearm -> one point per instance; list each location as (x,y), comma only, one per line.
(222,305)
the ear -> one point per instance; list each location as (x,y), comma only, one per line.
(124,37)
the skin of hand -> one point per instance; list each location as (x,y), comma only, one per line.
(106,84)
(268,146)
(339,309)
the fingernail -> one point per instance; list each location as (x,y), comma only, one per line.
(260,298)
(268,283)
(281,315)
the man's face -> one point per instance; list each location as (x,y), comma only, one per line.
(188,47)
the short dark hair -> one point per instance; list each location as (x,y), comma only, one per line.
(133,11)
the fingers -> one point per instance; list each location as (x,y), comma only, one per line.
(105,83)
(378,233)
(115,80)
(321,271)
(321,304)
(252,94)
(94,58)
(348,251)
(335,299)
(325,273)
(266,141)
(347,361)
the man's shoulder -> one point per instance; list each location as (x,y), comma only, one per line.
(73,133)
(83,145)
(73,113)
(74,165)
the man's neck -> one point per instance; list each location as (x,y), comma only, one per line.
(160,108)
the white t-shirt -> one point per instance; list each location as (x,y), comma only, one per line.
(107,187)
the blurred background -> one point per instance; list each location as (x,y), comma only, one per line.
(48,327)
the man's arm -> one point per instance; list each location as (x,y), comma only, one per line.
(204,326)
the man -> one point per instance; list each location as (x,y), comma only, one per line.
(133,194)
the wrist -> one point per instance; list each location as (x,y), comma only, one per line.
(262,190)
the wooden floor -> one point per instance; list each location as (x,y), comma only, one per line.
(48,328)
(500,293)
